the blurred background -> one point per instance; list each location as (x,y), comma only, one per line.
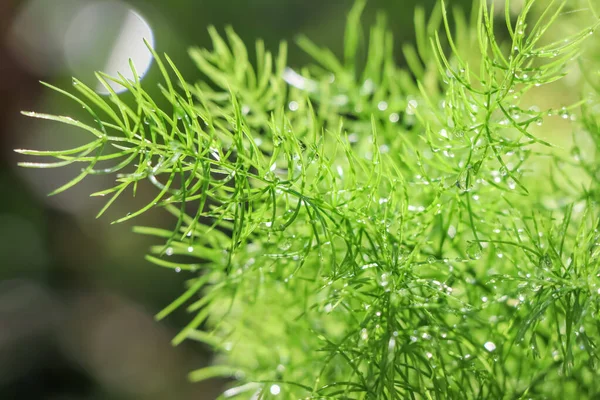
(77,298)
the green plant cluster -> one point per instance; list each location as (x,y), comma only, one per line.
(358,230)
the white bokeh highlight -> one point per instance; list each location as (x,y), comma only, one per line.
(131,33)
(80,37)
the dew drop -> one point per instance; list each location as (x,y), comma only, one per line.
(452,231)
(511,184)
(545,262)
(474,251)
(286,245)
(368,87)
(489,346)
(275,390)
(391,344)
(270,176)
(364,335)
(448,153)
(383,281)
(412,107)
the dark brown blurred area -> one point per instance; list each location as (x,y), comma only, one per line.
(77,298)
(68,328)
(16,85)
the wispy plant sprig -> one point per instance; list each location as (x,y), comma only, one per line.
(356,229)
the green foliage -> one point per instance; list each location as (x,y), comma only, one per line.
(356,229)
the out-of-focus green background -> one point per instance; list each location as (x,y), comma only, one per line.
(76,297)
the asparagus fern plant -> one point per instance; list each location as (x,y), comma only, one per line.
(356,229)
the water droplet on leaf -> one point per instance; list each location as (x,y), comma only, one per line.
(474,251)
(489,346)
